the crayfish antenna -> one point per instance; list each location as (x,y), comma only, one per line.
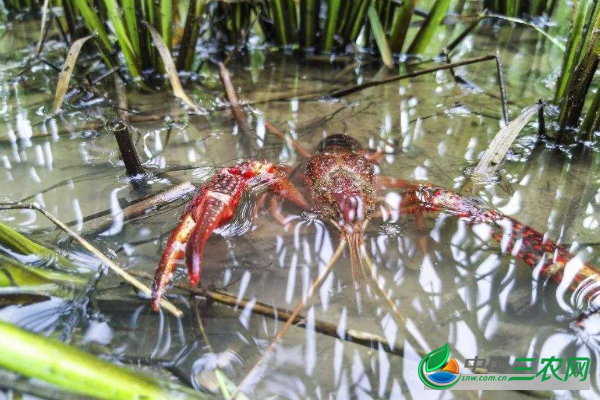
(355,262)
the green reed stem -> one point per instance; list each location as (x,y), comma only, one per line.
(591,121)
(93,24)
(573,49)
(190,35)
(380,39)
(280,21)
(309,21)
(400,23)
(432,22)
(333,11)
(17,242)
(131,24)
(166,21)
(114,14)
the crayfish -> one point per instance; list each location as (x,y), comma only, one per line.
(342,186)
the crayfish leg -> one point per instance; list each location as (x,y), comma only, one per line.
(173,252)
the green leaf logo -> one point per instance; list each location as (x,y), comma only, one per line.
(437,358)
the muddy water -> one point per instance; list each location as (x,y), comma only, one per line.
(449,282)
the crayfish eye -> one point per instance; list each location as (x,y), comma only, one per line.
(343,141)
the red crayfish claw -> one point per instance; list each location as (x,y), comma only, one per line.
(213,206)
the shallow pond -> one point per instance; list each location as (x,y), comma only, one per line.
(448,281)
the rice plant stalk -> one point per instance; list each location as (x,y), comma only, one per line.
(591,121)
(573,47)
(280,20)
(538,7)
(114,14)
(432,22)
(358,20)
(400,23)
(580,81)
(93,24)
(131,24)
(309,21)
(166,21)
(333,10)
(190,35)
(380,39)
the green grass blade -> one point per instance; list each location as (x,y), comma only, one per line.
(13,240)
(432,22)
(190,35)
(114,14)
(76,371)
(400,23)
(359,19)
(15,274)
(93,24)
(309,21)
(131,24)
(333,11)
(166,21)
(378,32)
(279,20)
(591,121)
(573,47)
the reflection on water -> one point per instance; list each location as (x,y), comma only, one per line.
(447,281)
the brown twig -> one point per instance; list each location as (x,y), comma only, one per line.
(357,88)
(134,210)
(135,171)
(366,339)
(234,103)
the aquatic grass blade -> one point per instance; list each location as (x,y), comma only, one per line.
(131,58)
(74,370)
(95,26)
(190,35)
(65,74)
(165,54)
(129,9)
(333,11)
(431,24)
(400,24)
(380,39)
(309,21)
(166,21)
(494,154)
(359,19)
(18,243)
(575,44)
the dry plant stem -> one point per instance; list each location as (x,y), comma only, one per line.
(97,253)
(275,131)
(357,88)
(137,209)
(502,87)
(494,154)
(133,165)
(315,286)
(236,108)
